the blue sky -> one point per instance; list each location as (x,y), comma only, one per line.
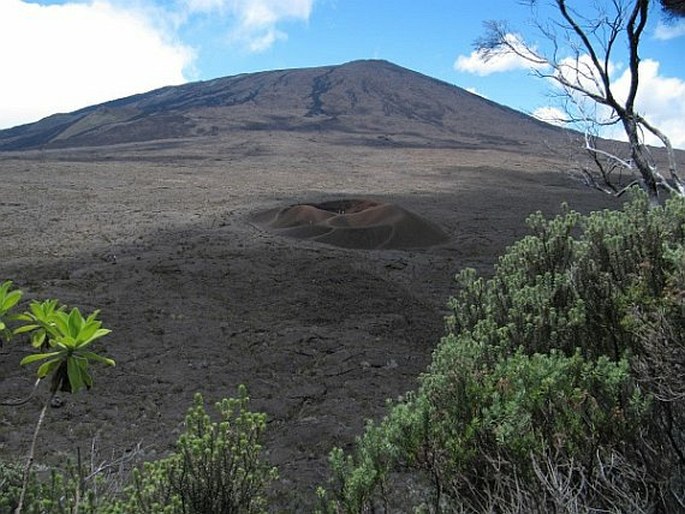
(60,55)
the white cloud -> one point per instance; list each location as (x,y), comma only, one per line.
(501,61)
(254,23)
(661,100)
(58,58)
(205,5)
(475,92)
(666,31)
(580,71)
(551,115)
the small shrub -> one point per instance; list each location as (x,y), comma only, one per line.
(216,468)
(11,479)
(60,493)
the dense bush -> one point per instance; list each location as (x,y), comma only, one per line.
(216,468)
(558,387)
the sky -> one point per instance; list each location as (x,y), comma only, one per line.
(61,55)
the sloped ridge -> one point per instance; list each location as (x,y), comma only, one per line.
(354,223)
(365,99)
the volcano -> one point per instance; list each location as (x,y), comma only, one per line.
(370,102)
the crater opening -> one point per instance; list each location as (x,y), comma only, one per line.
(354,223)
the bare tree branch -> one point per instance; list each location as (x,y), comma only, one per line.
(582,42)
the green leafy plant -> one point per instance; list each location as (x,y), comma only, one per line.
(68,336)
(216,467)
(39,321)
(8,299)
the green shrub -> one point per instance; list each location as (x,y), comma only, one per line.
(11,477)
(58,494)
(216,468)
(558,385)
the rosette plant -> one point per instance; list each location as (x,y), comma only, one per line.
(67,337)
(63,339)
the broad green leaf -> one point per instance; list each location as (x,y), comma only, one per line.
(87,379)
(4,287)
(10,300)
(93,315)
(2,325)
(97,335)
(87,331)
(98,358)
(38,309)
(37,357)
(48,367)
(75,323)
(61,321)
(75,374)
(38,338)
(25,328)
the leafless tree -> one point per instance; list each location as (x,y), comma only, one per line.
(584,40)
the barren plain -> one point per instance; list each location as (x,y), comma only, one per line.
(165,239)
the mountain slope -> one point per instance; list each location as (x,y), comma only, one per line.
(376,100)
